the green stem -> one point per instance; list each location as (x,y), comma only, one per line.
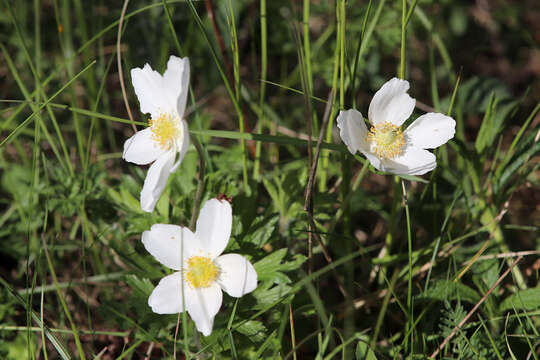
(403,26)
(410,319)
(325,155)
(63,302)
(262,89)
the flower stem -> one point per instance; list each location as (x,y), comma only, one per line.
(403,26)
(410,320)
(200,183)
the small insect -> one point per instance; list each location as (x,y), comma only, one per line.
(222,196)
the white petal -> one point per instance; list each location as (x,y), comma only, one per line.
(202,305)
(151,92)
(176,81)
(391,103)
(431,130)
(214,226)
(141,149)
(414,161)
(374,160)
(237,276)
(169,244)
(352,130)
(167,296)
(156,179)
(183,147)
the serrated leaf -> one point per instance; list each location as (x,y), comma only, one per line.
(254,330)
(260,232)
(268,267)
(267,297)
(528,299)
(270,263)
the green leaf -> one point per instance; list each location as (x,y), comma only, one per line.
(482,139)
(124,198)
(528,299)
(449,290)
(142,287)
(260,232)
(269,267)
(270,263)
(527,149)
(363,351)
(254,330)
(267,297)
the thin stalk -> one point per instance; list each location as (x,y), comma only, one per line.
(307,58)
(341,27)
(403,26)
(200,183)
(236,74)
(384,307)
(262,89)
(171,27)
(63,302)
(325,154)
(346,167)
(293,337)
(67,48)
(410,319)
(119,64)
(356,58)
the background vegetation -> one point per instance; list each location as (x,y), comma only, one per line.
(335,280)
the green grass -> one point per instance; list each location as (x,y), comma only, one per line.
(355,264)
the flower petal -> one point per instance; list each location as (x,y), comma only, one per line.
(151,92)
(156,179)
(373,159)
(237,276)
(214,226)
(391,103)
(352,130)
(431,130)
(414,161)
(141,149)
(202,305)
(176,81)
(182,148)
(167,295)
(169,244)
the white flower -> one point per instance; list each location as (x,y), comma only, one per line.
(385,146)
(202,272)
(164,97)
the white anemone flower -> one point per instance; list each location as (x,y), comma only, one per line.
(166,141)
(385,146)
(201,271)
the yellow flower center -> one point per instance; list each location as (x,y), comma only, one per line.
(388,140)
(164,129)
(201,271)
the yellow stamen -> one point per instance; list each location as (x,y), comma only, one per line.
(201,271)
(388,139)
(164,129)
